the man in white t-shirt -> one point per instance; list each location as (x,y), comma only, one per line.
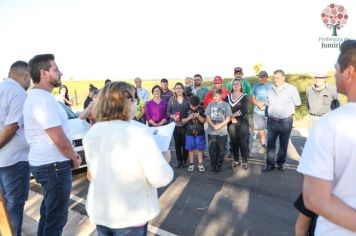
(51,153)
(329,157)
(14,167)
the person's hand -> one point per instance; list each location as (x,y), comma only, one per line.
(217,127)
(233,120)
(77,161)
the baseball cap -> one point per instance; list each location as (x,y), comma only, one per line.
(238,69)
(320,76)
(263,74)
(218,80)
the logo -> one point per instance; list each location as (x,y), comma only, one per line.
(334,17)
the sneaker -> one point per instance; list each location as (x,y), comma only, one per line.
(201,168)
(244,166)
(263,149)
(235,164)
(281,167)
(191,168)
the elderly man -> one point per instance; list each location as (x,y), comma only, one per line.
(282,98)
(329,157)
(51,153)
(14,167)
(322,98)
(142,93)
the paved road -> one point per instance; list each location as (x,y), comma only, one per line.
(228,203)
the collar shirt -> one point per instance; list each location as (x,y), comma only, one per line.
(142,94)
(282,101)
(12,98)
(319,101)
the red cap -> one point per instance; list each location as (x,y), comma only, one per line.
(218,80)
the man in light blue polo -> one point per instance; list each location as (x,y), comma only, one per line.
(282,98)
(259,99)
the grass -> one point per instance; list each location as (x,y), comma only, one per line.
(78,90)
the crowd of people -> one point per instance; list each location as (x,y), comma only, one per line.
(122,195)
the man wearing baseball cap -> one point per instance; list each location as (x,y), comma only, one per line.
(259,99)
(246,86)
(322,98)
(217,85)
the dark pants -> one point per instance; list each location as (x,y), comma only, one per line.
(239,134)
(130,231)
(14,185)
(282,129)
(56,183)
(179,142)
(217,147)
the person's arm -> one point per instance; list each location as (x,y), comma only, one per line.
(7,133)
(260,105)
(69,101)
(296,98)
(210,122)
(302,225)
(85,114)
(222,124)
(59,138)
(318,197)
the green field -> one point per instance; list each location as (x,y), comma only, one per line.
(78,90)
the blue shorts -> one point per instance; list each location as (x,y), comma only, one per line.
(195,142)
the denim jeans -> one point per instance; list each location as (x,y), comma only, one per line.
(217,148)
(282,129)
(56,183)
(14,184)
(130,231)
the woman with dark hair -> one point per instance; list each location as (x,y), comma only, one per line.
(178,107)
(63,96)
(92,91)
(155,109)
(122,195)
(238,126)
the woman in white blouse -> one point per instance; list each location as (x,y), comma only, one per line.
(125,166)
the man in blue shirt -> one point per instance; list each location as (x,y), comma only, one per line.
(259,99)
(282,98)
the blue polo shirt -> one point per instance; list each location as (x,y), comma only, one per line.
(260,92)
(282,102)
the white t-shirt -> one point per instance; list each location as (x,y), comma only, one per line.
(41,112)
(330,154)
(12,98)
(126,167)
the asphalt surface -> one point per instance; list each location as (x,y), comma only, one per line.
(240,202)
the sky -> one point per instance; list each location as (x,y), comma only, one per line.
(155,39)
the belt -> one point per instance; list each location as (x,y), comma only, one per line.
(316,114)
(281,119)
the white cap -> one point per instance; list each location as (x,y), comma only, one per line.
(320,75)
